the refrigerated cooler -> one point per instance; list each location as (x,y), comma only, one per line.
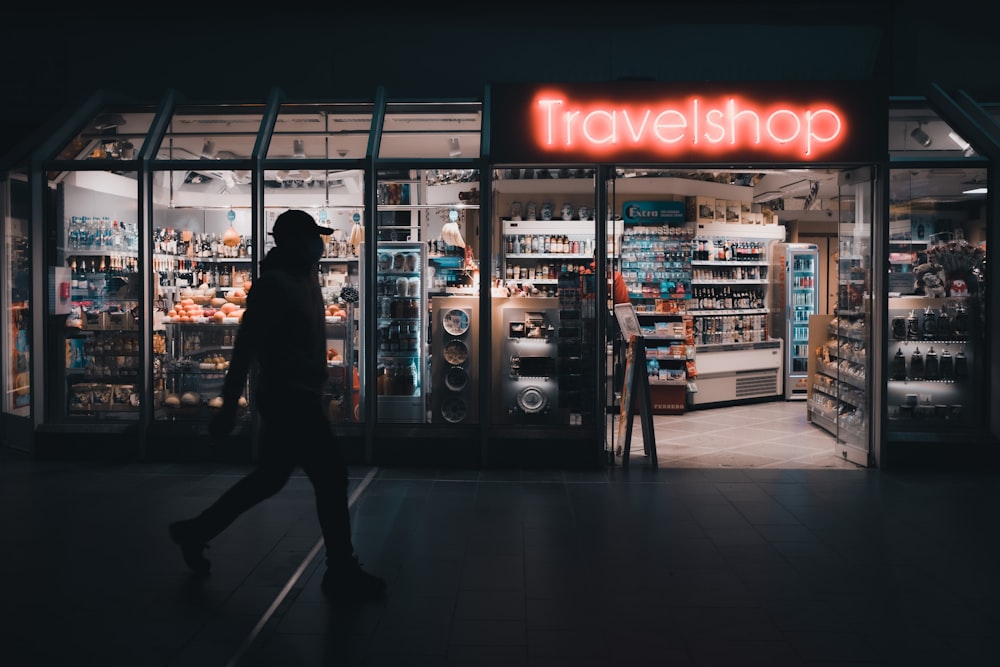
(402,311)
(795,286)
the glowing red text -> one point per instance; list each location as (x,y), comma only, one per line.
(694,124)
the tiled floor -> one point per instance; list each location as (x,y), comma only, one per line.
(675,566)
(774,434)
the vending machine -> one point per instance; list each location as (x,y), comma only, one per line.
(795,296)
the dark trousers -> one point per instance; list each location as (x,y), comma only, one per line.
(294,431)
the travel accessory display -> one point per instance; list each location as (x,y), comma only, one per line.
(456,378)
(455,321)
(455,352)
(454,409)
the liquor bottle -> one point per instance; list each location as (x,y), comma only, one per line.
(931,371)
(916,365)
(961,366)
(946,365)
(912,326)
(929,323)
(944,329)
(899,365)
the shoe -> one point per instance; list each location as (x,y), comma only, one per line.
(352,584)
(183,535)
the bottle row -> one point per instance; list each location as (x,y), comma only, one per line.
(728,250)
(191,273)
(729,273)
(929,366)
(549,244)
(96,232)
(931,324)
(726,298)
(730,329)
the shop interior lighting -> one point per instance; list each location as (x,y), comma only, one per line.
(967,149)
(975,187)
(454,148)
(208,150)
(921,137)
(298,148)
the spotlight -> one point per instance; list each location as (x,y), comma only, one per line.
(921,137)
(454,148)
(208,150)
(967,149)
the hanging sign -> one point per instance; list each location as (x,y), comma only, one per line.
(750,122)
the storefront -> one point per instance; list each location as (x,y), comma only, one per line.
(465,323)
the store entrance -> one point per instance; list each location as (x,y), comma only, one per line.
(734,276)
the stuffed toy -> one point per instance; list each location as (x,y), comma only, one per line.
(929,279)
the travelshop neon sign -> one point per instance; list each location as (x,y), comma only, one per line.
(704,125)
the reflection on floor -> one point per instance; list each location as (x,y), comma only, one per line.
(775,435)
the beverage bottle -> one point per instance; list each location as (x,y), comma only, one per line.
(916,365)
(931,364)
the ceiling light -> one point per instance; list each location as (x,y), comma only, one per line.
(454,148)
(921,137)
(967,149)
(108,121)
(208,150)
(976,191)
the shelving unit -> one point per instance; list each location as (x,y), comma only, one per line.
(103,366)
(932,357)
(738,356)
(668,359)
(839,370)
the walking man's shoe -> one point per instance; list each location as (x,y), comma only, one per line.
(182,533)
(351,584)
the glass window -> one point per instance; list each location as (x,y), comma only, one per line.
(16,299)
(431,130)
(916,131)
(201,231)
(936,249)
(114,134)
(328,131)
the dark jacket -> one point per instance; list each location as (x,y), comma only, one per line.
(283,331)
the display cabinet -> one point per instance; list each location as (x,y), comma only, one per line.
(656,266)
(195,362)
(669,360)
(934,379)
(840,375)
(401,326)
(543,299)
(739,358)
(454,385)
(96,294)
(538,252)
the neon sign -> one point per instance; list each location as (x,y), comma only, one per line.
(703,125)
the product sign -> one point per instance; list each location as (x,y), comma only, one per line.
(653,213)
(749,122)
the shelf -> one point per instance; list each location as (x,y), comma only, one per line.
(205,260)
(734,311)
(727,262)
(548,255)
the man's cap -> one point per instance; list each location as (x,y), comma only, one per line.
(296,224)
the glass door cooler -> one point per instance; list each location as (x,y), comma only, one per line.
(796,295)
(401,357)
